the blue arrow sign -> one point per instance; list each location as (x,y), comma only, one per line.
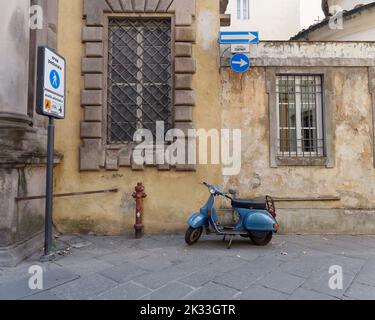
(239,37)
(240,63)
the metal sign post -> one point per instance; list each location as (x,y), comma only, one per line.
(48,256)
(50,102)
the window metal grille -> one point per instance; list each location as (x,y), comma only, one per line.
(300,116)
(139,77)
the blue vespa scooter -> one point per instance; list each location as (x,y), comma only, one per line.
(257,219)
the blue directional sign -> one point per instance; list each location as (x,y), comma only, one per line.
(240,63)
(239,37)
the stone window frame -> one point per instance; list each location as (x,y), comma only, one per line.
(95,153)
(129,145)
(328,160)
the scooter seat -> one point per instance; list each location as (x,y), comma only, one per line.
(258,204)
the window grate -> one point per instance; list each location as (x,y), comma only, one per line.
(139,77)
(300,116)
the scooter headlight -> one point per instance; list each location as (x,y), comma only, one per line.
(212,191)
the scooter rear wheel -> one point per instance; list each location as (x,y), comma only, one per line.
(192,235)
(261,238)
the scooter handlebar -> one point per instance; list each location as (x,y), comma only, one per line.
(207,184)
(217,190)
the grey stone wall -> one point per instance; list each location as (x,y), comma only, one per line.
(22,132)
(14,59)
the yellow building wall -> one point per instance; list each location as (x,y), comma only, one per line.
(223,100)
(171,196)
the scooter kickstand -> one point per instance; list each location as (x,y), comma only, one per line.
(230,242)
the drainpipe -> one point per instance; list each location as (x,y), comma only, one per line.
(139,195)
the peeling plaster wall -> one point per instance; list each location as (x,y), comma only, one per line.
(207,28)
(245,106)
(171,196)
(232,101)
(307,54)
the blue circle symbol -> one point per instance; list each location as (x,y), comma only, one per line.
(54,79)
(240,63)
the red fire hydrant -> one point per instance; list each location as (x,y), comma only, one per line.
(139,195)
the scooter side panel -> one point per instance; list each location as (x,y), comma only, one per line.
(198,220)
(259,221)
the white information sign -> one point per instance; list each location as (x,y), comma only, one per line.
(51,84)
(240,48)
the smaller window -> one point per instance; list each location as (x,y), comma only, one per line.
(300,116)
(243,10)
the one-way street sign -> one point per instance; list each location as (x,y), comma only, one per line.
(239,37)
(240,63)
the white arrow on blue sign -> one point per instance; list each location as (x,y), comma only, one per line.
(240,63)
(239,37)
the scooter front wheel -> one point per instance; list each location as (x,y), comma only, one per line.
(261,238)
(192,235)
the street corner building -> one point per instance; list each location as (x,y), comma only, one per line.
(306,111)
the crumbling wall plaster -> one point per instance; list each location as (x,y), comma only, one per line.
(245,106)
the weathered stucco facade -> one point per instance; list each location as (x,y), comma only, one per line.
(314,199)
(332,195)
(172,194)
(337,195)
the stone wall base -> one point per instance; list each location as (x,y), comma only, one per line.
(327,221)
(14,254)
(320,221)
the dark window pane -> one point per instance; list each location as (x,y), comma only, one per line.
(309,140)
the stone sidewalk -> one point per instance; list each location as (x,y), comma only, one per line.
(163,267)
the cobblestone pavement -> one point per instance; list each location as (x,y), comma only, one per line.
(163,267)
